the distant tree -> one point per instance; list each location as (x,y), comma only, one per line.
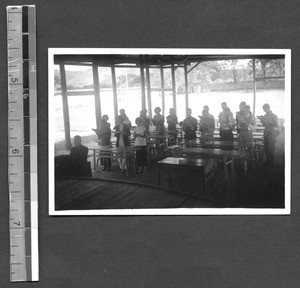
(205,73)
(57,82)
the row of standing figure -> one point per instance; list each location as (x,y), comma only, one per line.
(123,133)
(244,123)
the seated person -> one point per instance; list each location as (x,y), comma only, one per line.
(78,155)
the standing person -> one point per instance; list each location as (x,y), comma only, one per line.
(172,121)
(246,123)
(270,121)
(226,123)
(189,126)
(145,120)
(207,125)
(122,132)
(140,141)
(124,116)
(105,137)
(240,114)
(159,122)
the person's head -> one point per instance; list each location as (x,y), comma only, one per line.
(138,121)
(188,112)
(122,111)
(157,110)
(77,140)
(105,118)
(120,120)
(172,111)
(224,106)
(242,106)
(204,112)
(206,108)
(266,107)
(247,109)
(143,113)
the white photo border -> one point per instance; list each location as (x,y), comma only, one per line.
(170,211)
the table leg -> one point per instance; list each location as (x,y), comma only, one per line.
(134,163)
(126,163)
(158,176)
(225,168)
(245,167)
(232,170)
(94,157)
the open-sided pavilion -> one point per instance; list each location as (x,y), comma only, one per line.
(143,62)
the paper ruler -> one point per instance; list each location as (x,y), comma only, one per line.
(22,141)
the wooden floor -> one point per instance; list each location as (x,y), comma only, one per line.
(262,188)
(81,194)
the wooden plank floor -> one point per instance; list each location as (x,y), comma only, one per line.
(262,188)
(81,194)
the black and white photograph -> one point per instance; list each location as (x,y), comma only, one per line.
(169,131)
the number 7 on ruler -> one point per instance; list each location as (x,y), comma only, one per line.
(22,150)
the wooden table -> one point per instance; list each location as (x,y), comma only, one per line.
(117,152)
(225,145)
(172,164)
(226,155)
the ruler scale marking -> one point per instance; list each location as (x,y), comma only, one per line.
(22,132)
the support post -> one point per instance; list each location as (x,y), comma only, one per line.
(149,91)
(186,86)
(174,87)
(65,105)
(254,86)
(97,95)
(142,82)
(115,94)
(162,79)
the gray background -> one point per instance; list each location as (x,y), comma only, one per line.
(144,251)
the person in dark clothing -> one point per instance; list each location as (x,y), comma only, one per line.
(245,125)
(226,121)
(125,117)
(105,137)
(146,121)
(79,152)
(270,121)
(240,115)
(207,126)
(189,126)
(140,141)
(78,156)
(104,131)
(122,131)
(158,121)
(172,121)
